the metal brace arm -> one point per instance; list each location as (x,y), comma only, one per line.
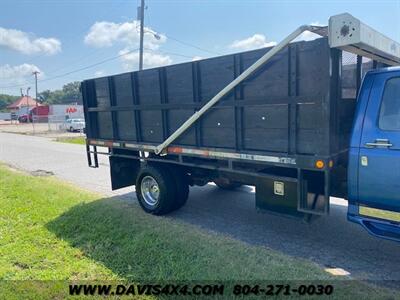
(189,122)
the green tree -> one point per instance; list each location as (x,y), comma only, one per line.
(6,100)
(45,95)
(69,93)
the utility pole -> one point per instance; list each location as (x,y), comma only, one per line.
(35,73)
(27,96)
(141,35)
(27,104)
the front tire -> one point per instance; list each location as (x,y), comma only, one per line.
(156,190)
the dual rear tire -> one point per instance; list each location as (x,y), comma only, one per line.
(161,189)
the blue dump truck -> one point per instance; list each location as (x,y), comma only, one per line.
(302,121)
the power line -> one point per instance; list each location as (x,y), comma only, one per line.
(193,46)
(69,34)
(113,58)
(94,65)
(184,43)
(77,70)
(26,82)
(74,62)
(110,59)
(90,66)
(168,52)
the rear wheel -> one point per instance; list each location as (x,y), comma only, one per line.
(226,184)
(156,190)
(71,129)
(182,187)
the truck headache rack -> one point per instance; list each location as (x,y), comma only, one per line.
(350,34)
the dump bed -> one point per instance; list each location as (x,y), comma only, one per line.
(291,106)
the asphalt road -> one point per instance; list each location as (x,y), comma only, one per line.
(328,241)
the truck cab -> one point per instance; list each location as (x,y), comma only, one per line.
(374,155)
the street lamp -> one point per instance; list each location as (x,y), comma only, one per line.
(140,11)
(155,34)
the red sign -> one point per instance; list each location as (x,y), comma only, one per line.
(71,110)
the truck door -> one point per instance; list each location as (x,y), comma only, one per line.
(379,168)
(379,158)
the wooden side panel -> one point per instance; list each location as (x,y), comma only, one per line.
(149,87)
(103,119)
(123,90)
(180,83)
(215,74)
(270,81)
(125,119)
(104,124)
(217,128)
(151,125)
(266,127)
(102,93)
(126,125)
(285,107)
(176,117)
(313,68)
(311,128)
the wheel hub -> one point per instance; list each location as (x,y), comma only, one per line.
(150,190)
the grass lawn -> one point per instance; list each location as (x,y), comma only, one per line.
(80,140)
(50,230)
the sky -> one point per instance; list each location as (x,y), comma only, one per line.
(72,40)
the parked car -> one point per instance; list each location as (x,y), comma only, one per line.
(24,118)
(73,125)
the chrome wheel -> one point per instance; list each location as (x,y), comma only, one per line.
(150,190)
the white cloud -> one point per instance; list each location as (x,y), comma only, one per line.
(18,74)
(19,71)
(130,61)
(107,34)
(27,44)
(99,73)
(197,58)
(309,36)
(256,41)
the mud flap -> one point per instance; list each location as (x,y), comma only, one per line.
(123,171)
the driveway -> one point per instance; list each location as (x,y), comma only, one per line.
(328,241)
